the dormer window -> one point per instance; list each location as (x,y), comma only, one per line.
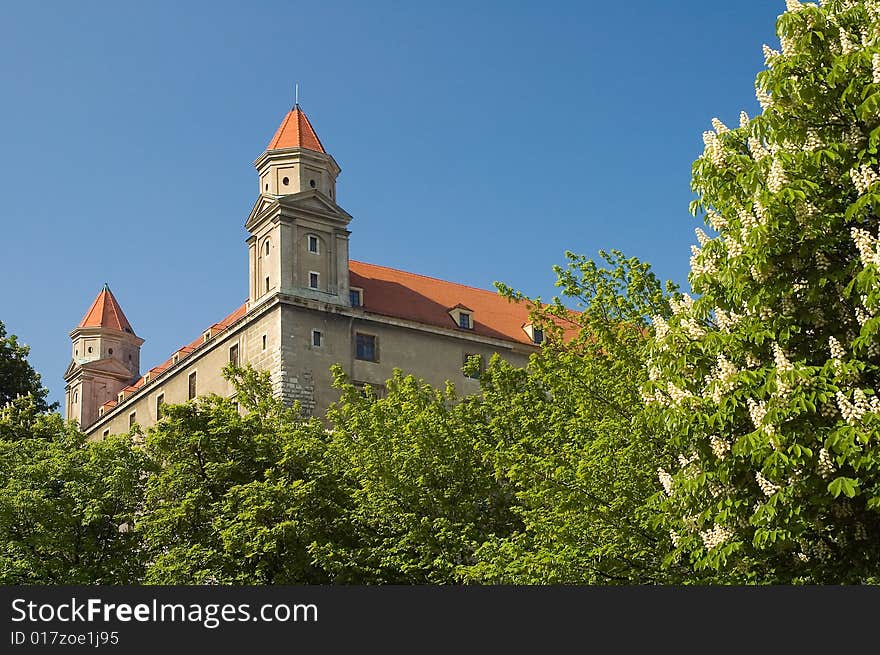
(314,246)
(536,334)
(463,317)
(206,335)
(175,358)
(356,296)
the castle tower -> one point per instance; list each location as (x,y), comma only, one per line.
(106,359)
(298,243)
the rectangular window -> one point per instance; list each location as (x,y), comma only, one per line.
(313,244)
(132,419)
(317,338)
(160,400)
(464,321)
(356,296)
(192,385)
(365,347)
(538,335)
(233,355)
(481,368)
(264,342)
(107,432)
(267,284)
(313,280)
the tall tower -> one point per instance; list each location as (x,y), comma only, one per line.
(298,243)
(106,359)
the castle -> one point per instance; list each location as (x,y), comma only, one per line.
(309,306)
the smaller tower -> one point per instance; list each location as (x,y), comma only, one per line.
(106,359)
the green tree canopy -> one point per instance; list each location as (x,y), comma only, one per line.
(17,377)
(767,380)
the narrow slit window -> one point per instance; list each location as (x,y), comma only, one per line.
(317,338)
(233,355)
(191,389)
(160,400)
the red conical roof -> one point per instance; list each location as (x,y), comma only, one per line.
(106,312)
(295,131)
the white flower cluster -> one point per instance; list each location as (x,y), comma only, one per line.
(693,329)
(826,464)
(720,447)
(853,412)
(701,265)
(770,55)
(677,395)
(793,5)
(665,480)
(822,262)
(764,99)
(813,141)
(715,537)
(846,45)
(720,128)
(783,366)
(862,316)
(747,219)
(714,149)
(734,248)
(757,149)
(828,410)
(863,178)
(702,237)
(681,305)
(869,247)
(860,533)
(760,211)
(854,136)
(767,487)
(837,351)
(759,275)
(875,67)
(716,220)
(661,327)
(752,361)
(776,179)
(726,320)
(757,412)
(673,535)
(743,119)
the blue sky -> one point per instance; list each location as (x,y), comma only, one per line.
(478,142)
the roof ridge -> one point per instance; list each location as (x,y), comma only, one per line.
(427,277)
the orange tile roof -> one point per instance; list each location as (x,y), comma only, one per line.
(296,131)
(216,328)
(106,312)
(414,297)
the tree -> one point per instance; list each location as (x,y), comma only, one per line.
(421,499)
(237,497)
(17,377)
(569,434)
(66,504)
(767,381)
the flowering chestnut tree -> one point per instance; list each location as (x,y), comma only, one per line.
(767,380)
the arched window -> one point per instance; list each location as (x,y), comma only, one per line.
(266,247)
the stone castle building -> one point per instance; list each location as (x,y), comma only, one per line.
(309,306)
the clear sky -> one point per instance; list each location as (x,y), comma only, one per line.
(478,142)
